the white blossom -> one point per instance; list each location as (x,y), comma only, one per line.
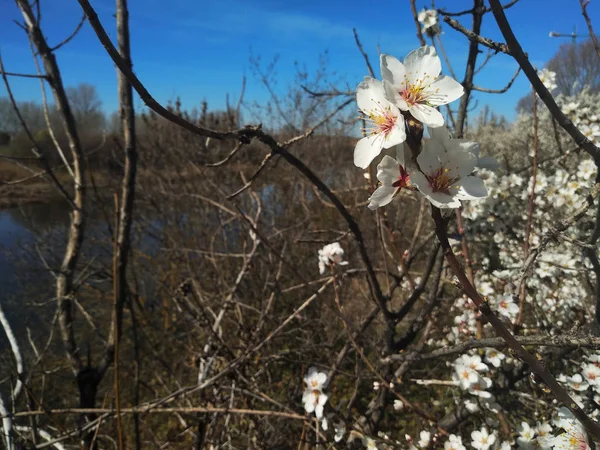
(548,77)
(417,86)
(331,255)
(445,177)
(393,177)
(482,440)
(385,122)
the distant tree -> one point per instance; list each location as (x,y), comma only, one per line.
(576,66)
(87,107)
(32,114)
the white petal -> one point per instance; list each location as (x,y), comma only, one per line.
(444,90)
(432,157)
(366,150)
(426,114)
(382,196)
(463,145)
(392,71)
(400,150)
(472,187)
(398,133)
(387,171)
(423,64)
(488,162)
(460,164)
(439,133)
(393,94)
(370,95)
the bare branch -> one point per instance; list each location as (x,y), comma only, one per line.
(499,91)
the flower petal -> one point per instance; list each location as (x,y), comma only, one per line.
(382,196)
(370,95)
(387,171)
(397,135)
(471,187)
(392,71)
(367,149)
(426,114)
(423,64)
(443,90)
(393,94)
(439,133)
(488,162)
(432,157)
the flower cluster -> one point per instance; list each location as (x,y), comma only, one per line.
(548,77)
(409,92)
(330,256)
(429,20)
(314,398)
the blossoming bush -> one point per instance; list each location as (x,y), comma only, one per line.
(497,200)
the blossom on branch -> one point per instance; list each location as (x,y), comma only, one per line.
(416,85)
(314,398)
(393,177)
(385,123)
(331,255)
(548,77)
(574,436)
(429,19)
(445,177)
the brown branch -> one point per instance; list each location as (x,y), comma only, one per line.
(496,46)
(467,83)
(530,208)
(71,36)
(584,4)
(469,11)
(415,14)
(499,342)
(363,53)
(64,281)
(22,75)
(516,52)
(499,91)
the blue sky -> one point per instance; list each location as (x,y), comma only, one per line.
(200,49)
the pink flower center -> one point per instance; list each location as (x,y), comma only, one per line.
(380,121)
(403,179)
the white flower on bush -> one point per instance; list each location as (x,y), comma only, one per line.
(466,371)
(445,177)
(417,86)
(443,135)
(454,442)
(482,440)
(507,307)
(385,122)
(480,387)
(424,439)
(314,398)
(586,169)
(574,436)
(428,18)
(331,255)
(576,383)
(494,357)
(548,77)
(526,435)
(393,177)
(591,373)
